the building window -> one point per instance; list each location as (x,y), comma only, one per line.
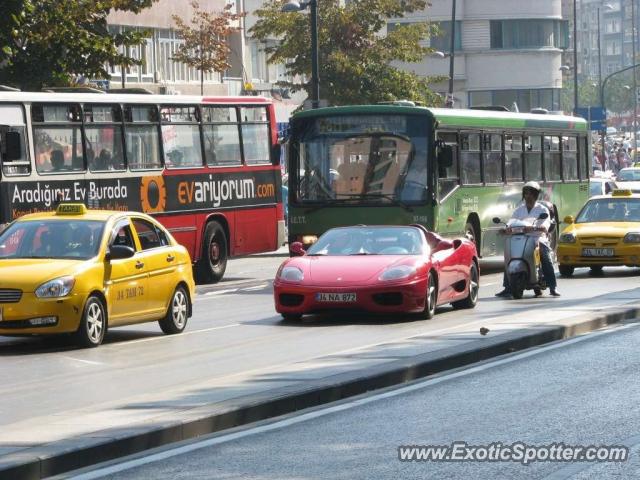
(529,33)
(524,100)
(442,42)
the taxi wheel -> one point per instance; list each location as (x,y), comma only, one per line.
(596,270)
(431,298)
(93,323)
(213,262)
(177,314)
(565,270)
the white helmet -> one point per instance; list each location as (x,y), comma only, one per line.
(533,186)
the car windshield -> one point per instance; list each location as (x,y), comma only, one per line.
(610,210)
(74,239)
(369,241)
(629,175)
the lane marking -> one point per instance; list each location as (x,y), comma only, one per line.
(347,405)
(258,287)
(82,361)
(218,292)
(163,337)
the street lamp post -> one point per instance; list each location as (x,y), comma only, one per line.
(603,132)
(604,83)
(575,58)
(635,81)
(449,102)
(294,6)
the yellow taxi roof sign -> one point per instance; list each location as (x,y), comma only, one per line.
(71,209)
(618,192)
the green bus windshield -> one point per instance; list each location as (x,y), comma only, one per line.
(363,159)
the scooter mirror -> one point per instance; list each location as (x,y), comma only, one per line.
(497,220)
(543,215)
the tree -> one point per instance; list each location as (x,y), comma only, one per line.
(356,60)
(205,46)
(48,42)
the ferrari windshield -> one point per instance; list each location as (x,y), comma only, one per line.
(369,241)
(379,159)
(73,239)
(614,209)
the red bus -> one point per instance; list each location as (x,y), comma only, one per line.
(206,167)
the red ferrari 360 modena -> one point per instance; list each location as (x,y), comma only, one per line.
(378,269)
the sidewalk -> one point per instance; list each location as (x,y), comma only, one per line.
(47,445)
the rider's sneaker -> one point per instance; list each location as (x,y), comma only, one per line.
(554,293)
(504,294)
(537,292)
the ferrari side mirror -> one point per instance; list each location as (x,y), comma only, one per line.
(297,250)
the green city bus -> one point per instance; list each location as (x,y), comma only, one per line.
(450,170)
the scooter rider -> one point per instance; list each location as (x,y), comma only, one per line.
(531,208)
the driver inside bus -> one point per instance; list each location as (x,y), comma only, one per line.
(532,208)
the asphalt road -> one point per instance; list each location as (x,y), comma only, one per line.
(236,344)
(579,392)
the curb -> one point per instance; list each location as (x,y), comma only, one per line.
(66,455)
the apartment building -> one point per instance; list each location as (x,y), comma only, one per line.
(506,52)
(159,73)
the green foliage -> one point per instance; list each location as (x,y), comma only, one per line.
(356,61)
(48,42)
(618,93)
(205,45)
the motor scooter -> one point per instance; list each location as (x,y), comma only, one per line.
(522,256)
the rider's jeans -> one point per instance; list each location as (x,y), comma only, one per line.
(547,269)
(547,266)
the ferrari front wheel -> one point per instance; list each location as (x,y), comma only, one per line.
(474,287)
(430,298)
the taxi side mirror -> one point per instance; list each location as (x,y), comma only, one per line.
(118,252)
(569,219)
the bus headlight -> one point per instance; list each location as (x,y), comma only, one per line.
(567,238)
(309,239)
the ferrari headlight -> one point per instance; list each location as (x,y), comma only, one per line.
(632,237)
(398,272)
(58,287)
(291,274)
(567,238)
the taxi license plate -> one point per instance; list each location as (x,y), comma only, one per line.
(597,252)
(336,297)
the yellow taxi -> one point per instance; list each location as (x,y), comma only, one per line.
(82,271)
(606,232)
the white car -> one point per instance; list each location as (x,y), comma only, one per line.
(628,179)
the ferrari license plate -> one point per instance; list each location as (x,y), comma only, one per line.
(336,297)
(597,252)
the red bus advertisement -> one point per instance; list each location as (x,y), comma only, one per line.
(206,167)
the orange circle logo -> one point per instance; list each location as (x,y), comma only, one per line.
(153,194)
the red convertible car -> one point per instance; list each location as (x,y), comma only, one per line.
(378,269)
